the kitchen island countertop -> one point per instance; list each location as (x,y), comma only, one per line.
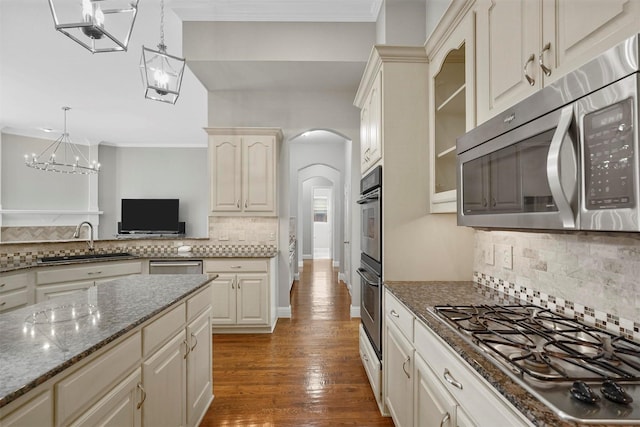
(34,346)
(420,296)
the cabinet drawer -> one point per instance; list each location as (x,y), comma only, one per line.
(9,300)
(399,315)
(236,265)
(198,303)
(474,395)
(163,328)
(93,271)
(94,380)
(371,364)
(9,282)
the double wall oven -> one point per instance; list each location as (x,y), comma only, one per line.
(370,270)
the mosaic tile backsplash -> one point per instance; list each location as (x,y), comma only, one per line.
(590,276)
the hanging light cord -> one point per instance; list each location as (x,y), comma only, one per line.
(162,47)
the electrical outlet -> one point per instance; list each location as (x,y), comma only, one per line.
(272,236)
(507,261)
(223,235)
(489,254)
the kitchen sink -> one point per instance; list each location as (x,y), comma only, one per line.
(85,257)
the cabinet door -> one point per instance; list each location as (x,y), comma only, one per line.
(119,408)
(508,45)
(225,173)
(36,412)
(164,380)
(433,404)
(252,299)
(258,173)
(223,304)
(199,375)
(364,138)
(578,30)
(374,102)
(398,372)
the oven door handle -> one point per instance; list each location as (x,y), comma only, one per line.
(371,197)
(364,273)
(554,160)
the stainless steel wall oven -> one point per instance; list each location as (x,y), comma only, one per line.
(370,270)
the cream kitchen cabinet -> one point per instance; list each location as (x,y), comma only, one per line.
(523,45)
(176,371)
(242,170)
(36,411)
(372,366)
(392,99)
(371,126)
(16,290)
(242,295)
(57,281)
(451,105)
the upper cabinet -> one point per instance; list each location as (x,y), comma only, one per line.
(392,100)
(523,45)
(242,170)
(451,103)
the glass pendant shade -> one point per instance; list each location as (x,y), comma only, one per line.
(62,156)
(98,25)
(161,74)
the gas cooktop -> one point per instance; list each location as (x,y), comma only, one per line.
(582,373)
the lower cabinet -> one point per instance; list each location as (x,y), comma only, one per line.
(372,366)
(16,290)
(36,411)
(427,384)
(243,298)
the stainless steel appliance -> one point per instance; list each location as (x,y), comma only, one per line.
(584,374)
(175,267)
(370,270)
(565,158)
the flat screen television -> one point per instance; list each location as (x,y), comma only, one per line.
(150,216)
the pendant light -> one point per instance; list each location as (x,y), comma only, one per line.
(98,25)
(62,156)
(161,72)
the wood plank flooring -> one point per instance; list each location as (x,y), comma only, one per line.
(307,373)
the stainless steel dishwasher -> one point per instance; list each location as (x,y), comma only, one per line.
(175,267)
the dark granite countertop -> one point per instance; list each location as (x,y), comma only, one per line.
(226,252)
(419,296)
(31,354)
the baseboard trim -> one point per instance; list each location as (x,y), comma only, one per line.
(284,312)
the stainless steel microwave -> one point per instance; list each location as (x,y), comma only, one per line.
(566,158)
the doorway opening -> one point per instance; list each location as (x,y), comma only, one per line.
(322,223)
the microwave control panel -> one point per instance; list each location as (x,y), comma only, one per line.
(609,157)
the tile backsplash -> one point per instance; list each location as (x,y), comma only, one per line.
(592,274)
(243,230)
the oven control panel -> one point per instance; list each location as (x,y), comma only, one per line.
(609,157)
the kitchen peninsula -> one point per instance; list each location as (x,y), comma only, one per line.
(109,353)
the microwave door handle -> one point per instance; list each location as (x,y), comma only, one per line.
(369,198)
(362,273)
(560,136)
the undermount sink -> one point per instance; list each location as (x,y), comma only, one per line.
(85,257)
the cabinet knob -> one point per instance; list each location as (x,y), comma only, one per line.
(545,69)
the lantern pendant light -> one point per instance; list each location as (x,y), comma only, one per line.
(97,25)
(161,72)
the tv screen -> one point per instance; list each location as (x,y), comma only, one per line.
(153,216)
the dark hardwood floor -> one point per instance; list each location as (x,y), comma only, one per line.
(307,373)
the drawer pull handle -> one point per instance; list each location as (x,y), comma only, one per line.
(394,313)
(94,272)
(238,204)
(404,367)
(2,285)
(236,266)
(530,79)
(195,338)
(451,380)
(445,419)
(365,358)
(187,348)
(3,303)
(545,69)
(144,395)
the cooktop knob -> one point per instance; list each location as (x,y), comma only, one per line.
(583,392)
(614,392)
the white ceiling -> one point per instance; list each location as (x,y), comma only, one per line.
(42,70)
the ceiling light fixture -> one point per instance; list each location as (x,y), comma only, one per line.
(48,159)
(161,72)
(98,25)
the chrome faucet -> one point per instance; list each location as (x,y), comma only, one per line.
(77,233)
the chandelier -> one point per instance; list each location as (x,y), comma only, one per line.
(98,25)
(70,160)
(161,72)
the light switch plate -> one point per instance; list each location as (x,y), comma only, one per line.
(489,254)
